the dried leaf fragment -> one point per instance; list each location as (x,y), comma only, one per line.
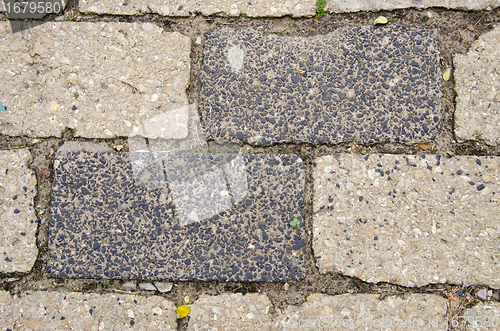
(182,311)
(424,146)
(447,74)
(380,20)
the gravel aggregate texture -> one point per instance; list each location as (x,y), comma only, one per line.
(40,310)
(477,77)
(18,221)
(342,6)
(100,79)
(254,8)
(365,312)
(354,84)
(409,220)
(483,316)
(260,8)
(107,223)
(231,312)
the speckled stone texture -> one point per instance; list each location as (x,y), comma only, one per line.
(107,224)
(84,76)
(18,222)
(259,8)
(410,220)
(365,312)
(483,316)
(340,6)
(362,84)
(81,311)
(254,8)
(231,312)
(477,78)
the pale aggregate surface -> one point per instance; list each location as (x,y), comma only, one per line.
(339,6)
(477,77)
(365,312)
(18,223)
(254,8)
(260,8)
(410,220)
(81,311)
(231,312)
(101,79)
(483,316)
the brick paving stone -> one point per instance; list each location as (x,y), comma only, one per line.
(185,217)
(254,8)
(477,82)
(410,220)
(356,83)
(84,76)
(261,8)
(483,316)
(366,312)
(82,311)
(340,6)
(231,312)
(18,223)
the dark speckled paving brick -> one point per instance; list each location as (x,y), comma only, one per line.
(356,83)
(105,224)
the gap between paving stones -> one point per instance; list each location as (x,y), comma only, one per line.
(331,284)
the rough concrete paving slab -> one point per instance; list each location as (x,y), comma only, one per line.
(101,79)
(259,8)
(18,221)
(362,84)
(231,312)
(81,311)
(341,6)
(483,316)
(254,8)
(365,312)
(410,220)
(477,82)
(182,217)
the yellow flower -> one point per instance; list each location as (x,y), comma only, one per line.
(182,311)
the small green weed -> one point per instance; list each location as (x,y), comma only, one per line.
(320,8)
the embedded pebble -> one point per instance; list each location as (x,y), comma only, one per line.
(147,287)
(482,294)
(231,312)
(129,286)
(18,223)
(164,287)
(238,230)
(356,83)
(477,82)
(365,312)
(98,78)
(409,220)
(82,311)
